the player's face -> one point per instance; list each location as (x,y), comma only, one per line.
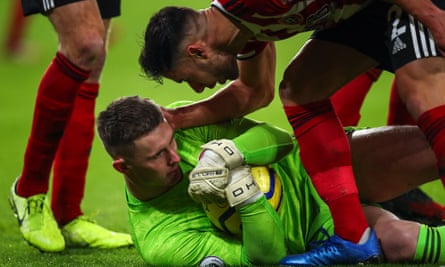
(155,160)
(205,73)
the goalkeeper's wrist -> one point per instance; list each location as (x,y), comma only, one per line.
(250,200)
(242,192)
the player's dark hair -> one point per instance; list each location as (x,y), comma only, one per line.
(163,35)
(125,120)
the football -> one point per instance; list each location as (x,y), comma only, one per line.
(227,219)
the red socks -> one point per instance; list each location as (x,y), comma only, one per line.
(398,114)
(349,111)
(325,153)
(54,103)
(432,123)
(71,163)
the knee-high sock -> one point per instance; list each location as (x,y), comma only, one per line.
(432,123)
(349,99)
(430,245)
(71,163)
(54,103)
(325,153)
(397,113)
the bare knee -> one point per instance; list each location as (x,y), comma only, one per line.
(420,84)
(86,50)
(81,33)
(398,239)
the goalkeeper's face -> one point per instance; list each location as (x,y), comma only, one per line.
(155,158)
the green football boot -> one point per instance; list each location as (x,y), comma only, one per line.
(36,221)
(83,232)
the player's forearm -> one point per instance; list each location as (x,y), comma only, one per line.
(230,102)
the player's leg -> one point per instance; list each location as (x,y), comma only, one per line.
(324,147)
(15,30)
(71,163)
(407,241)
(349,99)
(420,75)
(422,87)
(343,57)
(414,205)
(81,40)
(403,161)
(397,112)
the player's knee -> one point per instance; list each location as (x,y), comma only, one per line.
(287,93)
(87,51)
(397,239)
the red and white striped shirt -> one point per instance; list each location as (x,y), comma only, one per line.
(272,20)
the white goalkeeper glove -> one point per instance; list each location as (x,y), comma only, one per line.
(227,151)
(242,188)
(210,176)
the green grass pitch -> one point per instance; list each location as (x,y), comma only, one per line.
(121,77)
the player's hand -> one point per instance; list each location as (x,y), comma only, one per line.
(207,184)
(242,188)
(437,28)
(170,115)
(226,150)
(210,177)
(433,19)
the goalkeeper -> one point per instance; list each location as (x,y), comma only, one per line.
(170,228)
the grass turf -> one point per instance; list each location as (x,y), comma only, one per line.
(121,77)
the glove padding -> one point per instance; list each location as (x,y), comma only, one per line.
(207,184)
(227,150)
(242,188)
(210,176)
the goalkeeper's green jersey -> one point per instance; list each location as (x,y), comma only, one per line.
(174,230)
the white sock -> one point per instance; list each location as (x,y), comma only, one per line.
(365,236)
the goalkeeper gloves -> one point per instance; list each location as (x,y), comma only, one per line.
(210,176)
(227,150)
(242,188)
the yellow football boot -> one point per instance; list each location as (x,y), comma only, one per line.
(36,221)
(83,232)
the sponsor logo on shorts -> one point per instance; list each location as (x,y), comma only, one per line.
(398,45)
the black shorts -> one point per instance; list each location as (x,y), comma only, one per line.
(108,8)
(385,33)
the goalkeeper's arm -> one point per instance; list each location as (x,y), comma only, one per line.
(262,233)
(264,144)
(262,230)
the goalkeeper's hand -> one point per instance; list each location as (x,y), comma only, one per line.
(229,155)
(242,188)
(209,178)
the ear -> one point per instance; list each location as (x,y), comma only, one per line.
(120,165)
(197,51)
